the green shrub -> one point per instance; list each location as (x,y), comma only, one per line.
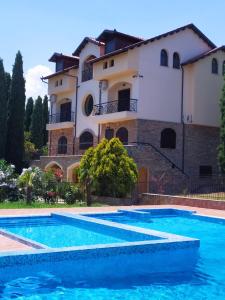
(73,195)
(63,188)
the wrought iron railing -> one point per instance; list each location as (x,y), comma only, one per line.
(61,117)
(87,74)
(115,106)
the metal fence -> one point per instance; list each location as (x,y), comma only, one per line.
(195,187)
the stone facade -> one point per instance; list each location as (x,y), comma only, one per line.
(201,143)
(157,166)
(72,143)
(149,131)
(130,125)
(54,136)
(64,162)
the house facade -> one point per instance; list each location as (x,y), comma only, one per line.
(160,96)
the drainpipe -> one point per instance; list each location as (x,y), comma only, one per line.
(75,113)
(182,118)
(99,102)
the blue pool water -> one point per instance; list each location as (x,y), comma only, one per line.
(55,233)
(206,282)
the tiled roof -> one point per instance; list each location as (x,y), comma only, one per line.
(84,42)
(107,32)
(203,55)
(144,42)
(57,55)
(60,72)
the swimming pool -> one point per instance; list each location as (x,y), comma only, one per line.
(125,275)
(55,233)
(208,279)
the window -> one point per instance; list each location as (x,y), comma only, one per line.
(87,69)
(105,65)
(111,62)
(62,145)
(109,133)
(86,140)
(205,171)
(176,61)
(223,71)
(168,138)
(164,58)
(88,105)
(60,82)
(56,83)
(122,134)
(214,66)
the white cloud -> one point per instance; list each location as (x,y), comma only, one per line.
(34,85)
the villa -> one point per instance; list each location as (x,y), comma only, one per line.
(159,96)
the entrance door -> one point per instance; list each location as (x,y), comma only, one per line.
(124,100)
(65,112)
(142,180)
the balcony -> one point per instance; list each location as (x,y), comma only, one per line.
(61,120)
(113,111)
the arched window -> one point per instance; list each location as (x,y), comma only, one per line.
(176,61)
(86,140)
(223,71)
(164,58)
(109,133)
(214,66)
(62,145)
(122,134)
(88,105)
(168,138)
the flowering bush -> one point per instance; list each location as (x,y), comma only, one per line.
(8,188)
(49,186)
(30,181)
(58,174)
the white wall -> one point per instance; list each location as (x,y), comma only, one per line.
(85,88)
(206,91)
(63,91)
(160,87)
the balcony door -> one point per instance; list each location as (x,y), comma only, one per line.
(65,112)
(124,100)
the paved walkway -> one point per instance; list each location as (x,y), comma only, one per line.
(7,244)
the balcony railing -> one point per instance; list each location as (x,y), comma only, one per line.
(115,106)
(61,117)
(87,74)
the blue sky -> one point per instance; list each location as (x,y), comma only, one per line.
(39,28)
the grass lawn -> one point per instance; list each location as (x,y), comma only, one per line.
(22,204)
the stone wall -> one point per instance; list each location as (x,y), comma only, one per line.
(54,136)
(200,148)
(149,131)
(201,143)
(153,199)
(130,125)
(64,162)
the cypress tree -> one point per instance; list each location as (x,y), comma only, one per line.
(15,131)
(37,124)
(3,110)
(28,113)
(221,154)
(8,83)
(45,119)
